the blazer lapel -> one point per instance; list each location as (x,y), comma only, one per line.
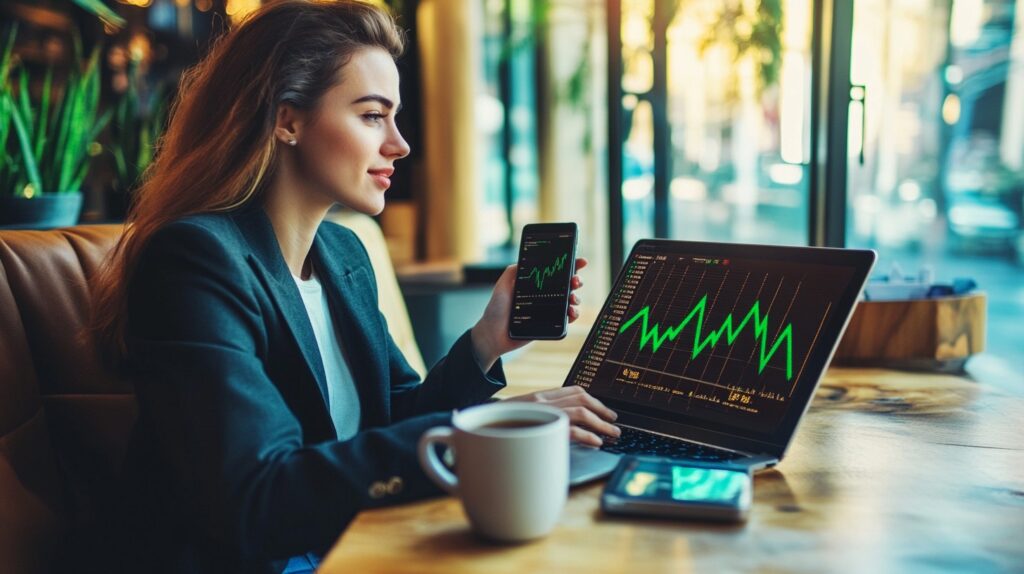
(349,288)
(269,262)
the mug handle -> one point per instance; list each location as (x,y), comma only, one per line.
(432,465)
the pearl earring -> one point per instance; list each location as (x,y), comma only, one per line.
(292,142)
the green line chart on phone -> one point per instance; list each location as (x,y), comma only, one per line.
(541,274)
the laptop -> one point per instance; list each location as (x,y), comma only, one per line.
(713,351)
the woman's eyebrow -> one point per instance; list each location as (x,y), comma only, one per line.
(379,99)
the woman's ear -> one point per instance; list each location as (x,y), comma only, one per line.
(288,124)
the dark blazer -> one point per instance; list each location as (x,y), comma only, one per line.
(235,465)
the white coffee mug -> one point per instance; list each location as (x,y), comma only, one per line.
(512,461)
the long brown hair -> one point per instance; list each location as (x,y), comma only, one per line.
(219,152)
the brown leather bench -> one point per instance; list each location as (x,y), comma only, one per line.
(64,419)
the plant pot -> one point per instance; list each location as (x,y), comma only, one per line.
(44,211)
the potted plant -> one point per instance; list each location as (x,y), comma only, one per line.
(49,141)
(135,128)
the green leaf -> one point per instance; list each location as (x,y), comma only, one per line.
(84,126)
(24,143)
(5,129)
(97,127)
(135,130)
(23,99)
(100,10)
(5,63)
(65,123)
(75,183)
(145,153)
(84,158)
(69,149)
(57,126)
(119,165)
(44,108)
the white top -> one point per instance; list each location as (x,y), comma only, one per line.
(342,397)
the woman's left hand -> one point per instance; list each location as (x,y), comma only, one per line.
(490,334)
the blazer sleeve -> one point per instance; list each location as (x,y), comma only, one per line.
(223,434)
(455,382)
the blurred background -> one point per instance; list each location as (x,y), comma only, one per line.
(891,124)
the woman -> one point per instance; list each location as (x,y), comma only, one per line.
(273,403)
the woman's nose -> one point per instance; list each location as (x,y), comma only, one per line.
(396,147)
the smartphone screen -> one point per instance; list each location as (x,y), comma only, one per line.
(684,483)
(680,489)
(547,256)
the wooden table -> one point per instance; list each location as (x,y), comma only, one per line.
(889,472)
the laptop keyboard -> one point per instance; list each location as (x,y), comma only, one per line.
(633,441)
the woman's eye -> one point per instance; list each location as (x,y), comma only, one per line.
(373,116)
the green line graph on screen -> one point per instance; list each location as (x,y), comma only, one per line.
(539,274)
(653,335)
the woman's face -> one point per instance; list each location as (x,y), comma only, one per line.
(348,149)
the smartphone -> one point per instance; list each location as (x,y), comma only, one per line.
(540,301)
(678,489)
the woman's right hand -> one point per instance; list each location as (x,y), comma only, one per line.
(588,417)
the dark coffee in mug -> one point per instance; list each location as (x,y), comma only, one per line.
(513,424)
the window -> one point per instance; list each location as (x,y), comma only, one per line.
(718,94)
(543,124)
(936,158)
(507,120)
(716,143)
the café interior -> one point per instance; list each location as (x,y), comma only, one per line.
(890,125)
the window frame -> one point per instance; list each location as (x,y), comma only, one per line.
(830,96)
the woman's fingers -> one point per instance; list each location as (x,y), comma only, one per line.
(583,409)
(578,395)
(574,312)
(598,407)
(574,284)
(575,395)
(584,417)
(562,396)
(583,436)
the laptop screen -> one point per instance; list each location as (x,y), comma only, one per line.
(729,338)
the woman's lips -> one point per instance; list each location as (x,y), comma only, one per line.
(382,177)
